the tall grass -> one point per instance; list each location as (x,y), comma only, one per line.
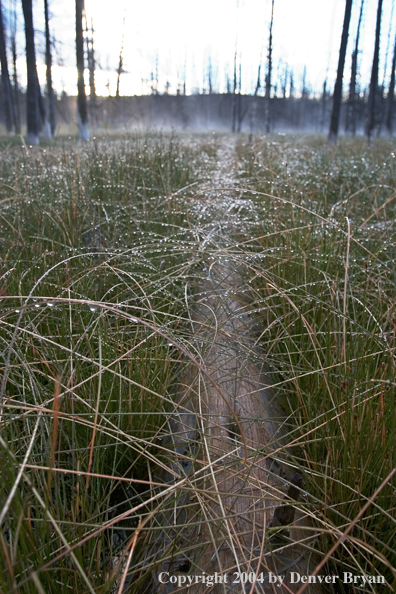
(102,249)
(326,289)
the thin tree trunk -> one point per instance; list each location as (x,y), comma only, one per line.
(337,95)
(44,126)
(239,104)
(33,126)
(324,100)
(269,74)
(304,95)
(17,113)
(391,95)
(9,108)
(83,129)
(93,107)
(383,110)
(120,61)
(48,63)
(374,77)
(234,102)
(350,124)
(253,109)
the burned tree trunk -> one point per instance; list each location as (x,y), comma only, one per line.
(234,97)
(269,74)
(83,129)
(44,126)
(337,95)
(253,110)
(93,106)
(120,69)
(33,125)
(391,95)
(8,104)
(371,120)
(350,124)
(17,113)
(240,115)
(48,63)
(323,110)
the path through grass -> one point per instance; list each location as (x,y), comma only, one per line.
(101,250)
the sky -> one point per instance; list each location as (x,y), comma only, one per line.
(181,38)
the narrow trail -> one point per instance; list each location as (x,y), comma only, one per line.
(228,432)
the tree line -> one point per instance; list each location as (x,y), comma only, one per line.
(375,108)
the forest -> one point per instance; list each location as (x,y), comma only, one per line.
(278,102)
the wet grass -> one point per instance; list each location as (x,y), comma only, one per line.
(326,289)
(101,248)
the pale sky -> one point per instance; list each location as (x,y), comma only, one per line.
(185,34)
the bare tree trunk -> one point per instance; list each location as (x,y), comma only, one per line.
(9,107)
(350,124)
(371,121)
(44,126)
(253,110)
(17,113)
(120,61)
(83,129)
(48,63)
(234,102)
(239,104)
(93,106)
(337,95)
(33,125)
(269,74)
(304,95)
(383,109)
(324,100)
(391,95)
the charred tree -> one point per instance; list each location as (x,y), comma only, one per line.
(17,113)
(240,115)
(383,102)
(253,110)
(8,104)
(120,69)
(83,129)
(337,95)
(44,126)
(269,74)
(234,97)
(284,82)
(33,124)
(48,64)
(304,97)
(391,95)
(93,104)
(350,124)
(372,116)
(324,103)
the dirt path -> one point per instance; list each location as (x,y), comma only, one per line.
(228,433)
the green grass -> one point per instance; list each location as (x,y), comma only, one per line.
(326,287)
(101,246)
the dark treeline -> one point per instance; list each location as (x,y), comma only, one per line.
(216,112)
(275,105)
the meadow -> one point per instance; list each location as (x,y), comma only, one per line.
(101,249)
